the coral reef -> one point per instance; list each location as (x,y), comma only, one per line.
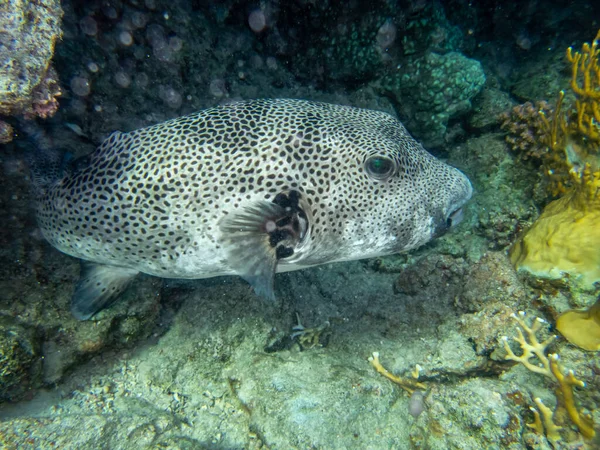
(41,341)
(526,130)
(354,44)
(434,89)
(428,28)
(28,84)
(541,76)
(566,236)
(186,364)
(563,239)
(534,358)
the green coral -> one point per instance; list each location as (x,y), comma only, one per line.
(433,89)
(355,53)
(430,29)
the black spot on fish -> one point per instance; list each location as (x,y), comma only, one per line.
(283,252)
(277,236)
(283,222)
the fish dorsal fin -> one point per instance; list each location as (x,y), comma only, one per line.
(258,236)
(111,146)
(99,285)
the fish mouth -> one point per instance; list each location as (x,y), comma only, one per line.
(455,217)
(452,220)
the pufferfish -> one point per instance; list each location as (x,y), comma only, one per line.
(250,189)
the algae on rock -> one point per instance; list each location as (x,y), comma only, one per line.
(20,362)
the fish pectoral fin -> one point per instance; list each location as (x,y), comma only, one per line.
(256,238)
(248,249)
(99,285)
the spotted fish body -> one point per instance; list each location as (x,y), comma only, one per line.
(249,188)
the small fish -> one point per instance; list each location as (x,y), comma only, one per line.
(250,189)
(75,129)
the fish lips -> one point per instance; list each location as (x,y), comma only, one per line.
(456,214)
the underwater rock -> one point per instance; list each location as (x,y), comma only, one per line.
(30,30)
(488,106)
(119,327)
(502,204)
(20,363)
(541,76)
(483,406)
(6,132)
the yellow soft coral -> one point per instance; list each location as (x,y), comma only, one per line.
(581,328)
(566,236)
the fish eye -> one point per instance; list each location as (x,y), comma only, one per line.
(379,167)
